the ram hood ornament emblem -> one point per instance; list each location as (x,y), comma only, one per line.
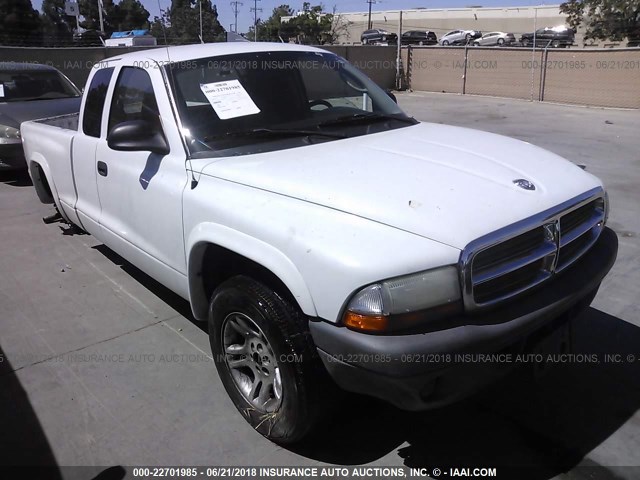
(523,183)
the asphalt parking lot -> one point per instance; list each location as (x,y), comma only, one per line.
(101,366)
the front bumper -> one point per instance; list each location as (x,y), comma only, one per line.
(413,371)
(12,157)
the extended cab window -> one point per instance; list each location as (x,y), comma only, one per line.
(133,98)
(94,105)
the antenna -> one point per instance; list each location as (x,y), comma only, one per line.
(235,4)
(194,181)
(255,11)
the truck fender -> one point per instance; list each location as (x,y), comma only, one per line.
(249,247)
(38,166)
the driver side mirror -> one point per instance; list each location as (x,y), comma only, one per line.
(137,135)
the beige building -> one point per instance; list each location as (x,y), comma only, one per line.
(517,20)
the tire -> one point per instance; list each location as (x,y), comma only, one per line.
(476,44)
(555,43)
(365,41)
(500,42)
(445,43)
(276,378)
(421,43)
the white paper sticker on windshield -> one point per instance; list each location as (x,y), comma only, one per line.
(229,99)
(1,90)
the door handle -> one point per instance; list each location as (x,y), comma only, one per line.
(102,169)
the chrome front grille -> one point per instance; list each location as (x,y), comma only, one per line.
(515,259)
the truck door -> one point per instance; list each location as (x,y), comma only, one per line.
(83,152)
(141,191)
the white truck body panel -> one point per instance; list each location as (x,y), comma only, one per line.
(326,219)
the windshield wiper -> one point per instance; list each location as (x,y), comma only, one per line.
(284,132)
(367,117)
(276,132)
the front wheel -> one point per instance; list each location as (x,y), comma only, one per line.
(445,43)
(266,359)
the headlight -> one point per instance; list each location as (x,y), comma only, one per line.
(405,302)
(9,135)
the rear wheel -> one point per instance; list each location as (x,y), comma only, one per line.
(266,359)
(500,42)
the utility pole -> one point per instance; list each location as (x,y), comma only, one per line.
(369,24)
(255,11)
(235,4)
(201,38)
(100,15)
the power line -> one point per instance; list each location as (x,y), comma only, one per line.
(235,4)
(255,11)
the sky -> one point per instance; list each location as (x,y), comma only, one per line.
(245,16)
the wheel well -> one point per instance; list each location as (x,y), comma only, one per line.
(41,183)
(212,265)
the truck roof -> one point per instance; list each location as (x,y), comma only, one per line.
(191,52)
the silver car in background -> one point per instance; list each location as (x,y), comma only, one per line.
(495,38)
(459,37)
(29,91)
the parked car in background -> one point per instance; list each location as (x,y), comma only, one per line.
(459,37)
(378,36)
(495,38)
(29,91)
(560,36)
(419,37)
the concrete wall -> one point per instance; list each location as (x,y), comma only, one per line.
(76,63)
(608,78)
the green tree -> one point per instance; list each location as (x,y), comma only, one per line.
(57,26)
(605,19)
(129,15)
(312,26)
(19,24)
(273,29)
(91,16)
(181,23)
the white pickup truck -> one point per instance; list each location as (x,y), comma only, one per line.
(326,237)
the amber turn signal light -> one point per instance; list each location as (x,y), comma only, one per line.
(366,323)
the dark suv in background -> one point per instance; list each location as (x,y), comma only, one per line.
(419,37)
(378,36)
(560,36)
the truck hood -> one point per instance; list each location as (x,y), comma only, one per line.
(448,184)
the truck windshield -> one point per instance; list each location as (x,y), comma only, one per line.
(274,100)
(28,85)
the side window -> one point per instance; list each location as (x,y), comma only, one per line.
(133,98)
(94,105)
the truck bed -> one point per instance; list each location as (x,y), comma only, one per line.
(67,122)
